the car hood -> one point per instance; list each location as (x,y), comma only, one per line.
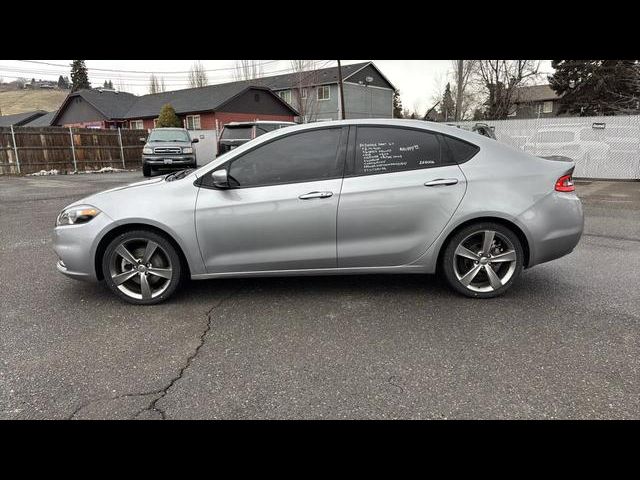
(167,144)
(106,196)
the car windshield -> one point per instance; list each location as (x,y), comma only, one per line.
(237,133)
(169,136)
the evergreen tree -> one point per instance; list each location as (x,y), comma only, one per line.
(597,87)
(397,105)
(448,105)
(79,76)
(61,83)
(108,84)
(168,117)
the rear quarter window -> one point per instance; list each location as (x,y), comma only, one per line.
(456,150)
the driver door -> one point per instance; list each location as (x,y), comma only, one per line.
(280,210)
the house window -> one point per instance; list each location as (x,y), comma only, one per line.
(303,93)
(155,122)
(285,95)
(547,107)
(193,122)
(323,92)
(136,125)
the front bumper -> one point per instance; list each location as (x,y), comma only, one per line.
(75,246)
(169,161)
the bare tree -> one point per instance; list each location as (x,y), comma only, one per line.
(303,96)
(162,86)
(500,80)
(462,71)
(154,85)
(198,75)
(247,70)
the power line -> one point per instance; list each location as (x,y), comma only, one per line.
(143,72)
(138,81)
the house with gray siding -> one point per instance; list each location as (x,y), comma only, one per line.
(315,93)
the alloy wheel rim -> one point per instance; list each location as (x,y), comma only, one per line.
(141,269)
(484,261)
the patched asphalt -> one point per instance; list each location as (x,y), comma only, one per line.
(564,342)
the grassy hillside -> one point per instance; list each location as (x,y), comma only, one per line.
(19,101)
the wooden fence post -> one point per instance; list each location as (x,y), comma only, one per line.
(121,149)
(15,148)
(73,151)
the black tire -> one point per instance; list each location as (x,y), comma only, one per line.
(164,259)
(452,265)
(146,170)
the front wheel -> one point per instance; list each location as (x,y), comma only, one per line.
(483,260)
(141,267)
(146,170)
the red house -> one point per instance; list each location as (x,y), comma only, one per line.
(203,108)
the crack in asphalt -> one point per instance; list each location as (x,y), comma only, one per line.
(162,392)
(611,237)
(390,382)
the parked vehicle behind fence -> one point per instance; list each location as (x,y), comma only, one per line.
(235,134)
(340,197)
(168,149)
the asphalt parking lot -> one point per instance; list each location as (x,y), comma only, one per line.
(563,343)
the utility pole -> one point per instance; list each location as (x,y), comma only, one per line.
(459,90)
(341,91)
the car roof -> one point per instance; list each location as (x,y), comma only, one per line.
(259,122)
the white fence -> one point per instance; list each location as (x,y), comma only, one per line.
(602,147)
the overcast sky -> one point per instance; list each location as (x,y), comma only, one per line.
(417,80)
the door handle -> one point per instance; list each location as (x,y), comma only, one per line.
(310,195)
(441,181)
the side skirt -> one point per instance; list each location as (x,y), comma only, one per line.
(319,271)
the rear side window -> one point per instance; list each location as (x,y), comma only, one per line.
(456,150)
(237,133)
(302,157)
(388,149)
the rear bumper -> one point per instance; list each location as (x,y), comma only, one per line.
(555,225)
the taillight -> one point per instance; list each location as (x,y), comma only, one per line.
(565,184)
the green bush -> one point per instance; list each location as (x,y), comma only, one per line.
(168,118)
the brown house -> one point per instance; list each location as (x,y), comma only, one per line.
(535,102)
(203,108)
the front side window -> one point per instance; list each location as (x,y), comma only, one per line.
(302,157)
(388,150)
(193,122)
(324,93)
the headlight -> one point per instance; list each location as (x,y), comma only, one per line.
(147,150)
(187,149)
(76,215)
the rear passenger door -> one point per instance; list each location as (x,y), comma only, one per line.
(401,187)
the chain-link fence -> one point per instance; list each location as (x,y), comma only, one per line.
(602,147)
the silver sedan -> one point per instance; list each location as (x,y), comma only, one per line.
(341,197)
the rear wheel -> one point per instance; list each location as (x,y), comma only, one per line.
(141,267)
(483,260)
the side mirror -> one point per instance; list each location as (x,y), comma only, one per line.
(194,140)
(143,140)
(220,178)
